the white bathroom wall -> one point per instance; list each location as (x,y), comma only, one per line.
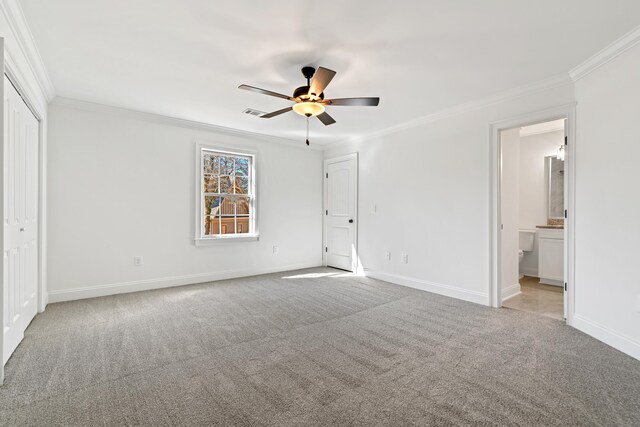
(533,191)
(510,210)
(607,211)
(121,186)
(430,183)
(533,150)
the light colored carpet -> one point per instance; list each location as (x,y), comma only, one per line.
(311,347)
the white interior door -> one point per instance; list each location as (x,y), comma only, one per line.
(340,212)
(20,250)
(509,212)
(565,249)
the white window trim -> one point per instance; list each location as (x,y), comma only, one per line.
(229,238)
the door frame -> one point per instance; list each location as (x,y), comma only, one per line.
(568,112)
(325,200)
(14,73)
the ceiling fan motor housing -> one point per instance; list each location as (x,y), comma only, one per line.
(308,72)
(303,93)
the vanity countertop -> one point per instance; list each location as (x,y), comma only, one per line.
(557,227)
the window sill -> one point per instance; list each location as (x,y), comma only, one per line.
(206,241)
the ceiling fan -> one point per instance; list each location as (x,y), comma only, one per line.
(310,101)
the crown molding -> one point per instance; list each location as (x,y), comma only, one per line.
(512,94)
(606,55)
(18,24)
(174,121)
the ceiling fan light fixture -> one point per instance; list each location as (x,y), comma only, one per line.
(308,109)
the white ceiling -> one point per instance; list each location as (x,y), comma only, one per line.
(186,58)
(544,127)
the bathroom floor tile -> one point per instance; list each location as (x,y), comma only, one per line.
(535,297)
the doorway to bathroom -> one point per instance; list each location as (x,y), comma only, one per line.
(531,221)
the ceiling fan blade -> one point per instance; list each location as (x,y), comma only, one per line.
(353,102)
(265,92)
(276,113)
(320,80)
(326,119)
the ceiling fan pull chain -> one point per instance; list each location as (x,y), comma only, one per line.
(307,130)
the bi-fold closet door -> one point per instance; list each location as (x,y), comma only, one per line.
(20,219)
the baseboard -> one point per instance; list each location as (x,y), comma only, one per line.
(614,339)
(510,291)
(436,288)
(531,272)
(164,282)
(551,282)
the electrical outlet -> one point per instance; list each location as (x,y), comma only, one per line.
(404,258)
(275,249)
(138,261)
(387,256)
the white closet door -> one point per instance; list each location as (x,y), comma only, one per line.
(341,214)
(20,219)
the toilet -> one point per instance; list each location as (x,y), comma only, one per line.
(527,238)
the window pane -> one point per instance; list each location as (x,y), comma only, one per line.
(228,224)
(225,184)
(227,207)
(211,225)
(242,166)
(227,212)
(226,165)
(242,185)
(210,184)
(212,205)
(243,225)
(206,162)
(242,206)
(210,162)
(222,164)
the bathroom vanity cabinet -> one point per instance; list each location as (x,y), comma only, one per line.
(551,256)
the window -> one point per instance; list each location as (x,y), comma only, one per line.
(226,195)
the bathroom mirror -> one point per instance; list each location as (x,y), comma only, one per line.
(555,177)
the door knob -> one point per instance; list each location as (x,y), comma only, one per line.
(350,221)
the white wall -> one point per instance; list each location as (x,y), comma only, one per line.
(121,186)
(607,224)
(510,210)
(431,184)
(430,181)
(533,191)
